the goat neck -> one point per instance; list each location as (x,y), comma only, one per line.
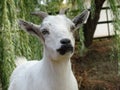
(60,66)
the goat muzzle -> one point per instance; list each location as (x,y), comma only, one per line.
(65,49)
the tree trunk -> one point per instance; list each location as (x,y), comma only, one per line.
(90,26)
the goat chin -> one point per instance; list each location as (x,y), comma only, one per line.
(20,60)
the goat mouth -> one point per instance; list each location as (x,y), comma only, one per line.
(65,48)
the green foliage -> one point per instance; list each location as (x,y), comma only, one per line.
(26,44)
(116,17)
(52,7)
(15,42)
(7,48)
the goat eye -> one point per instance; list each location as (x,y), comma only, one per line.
(72,28)
(44,32)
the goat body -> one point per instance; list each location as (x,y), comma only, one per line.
(53,72)
(43,75)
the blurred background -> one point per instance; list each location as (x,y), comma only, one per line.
(96,62)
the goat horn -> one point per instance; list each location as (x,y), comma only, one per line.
(40,14)
(63,11)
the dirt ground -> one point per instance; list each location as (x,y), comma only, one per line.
(97,69)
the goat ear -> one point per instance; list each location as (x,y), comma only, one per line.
(80,19)
(29,27)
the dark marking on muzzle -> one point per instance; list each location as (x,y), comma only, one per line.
(65,48)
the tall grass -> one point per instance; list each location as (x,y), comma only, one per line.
(15,42)
(7,48)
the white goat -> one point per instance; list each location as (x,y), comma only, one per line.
(53,72)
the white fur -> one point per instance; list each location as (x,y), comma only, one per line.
(53,72)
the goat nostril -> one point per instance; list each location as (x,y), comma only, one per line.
(65,41)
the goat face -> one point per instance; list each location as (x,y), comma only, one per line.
(56,33)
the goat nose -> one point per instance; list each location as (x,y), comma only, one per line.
(65,41)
